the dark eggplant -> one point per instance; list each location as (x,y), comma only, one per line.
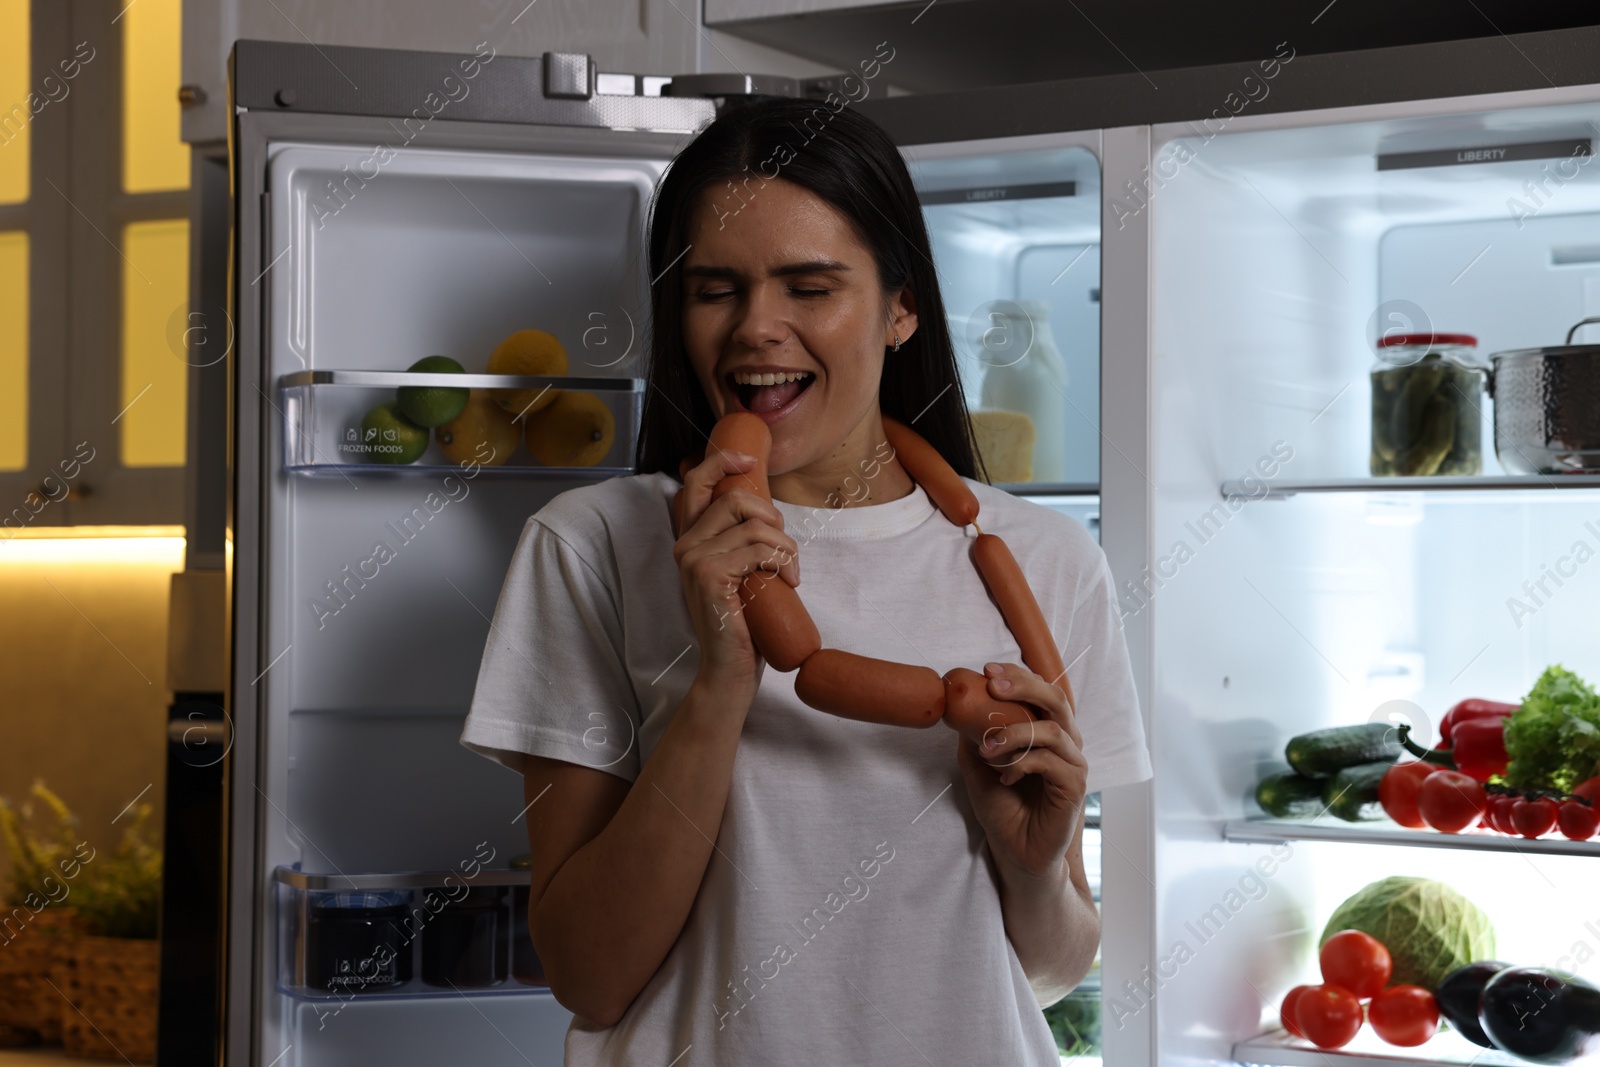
(1540,1015)
(1458,998)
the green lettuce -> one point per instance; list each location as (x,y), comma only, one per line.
(1553,740)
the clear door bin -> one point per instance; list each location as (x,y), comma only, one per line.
(414,934)
(339,422)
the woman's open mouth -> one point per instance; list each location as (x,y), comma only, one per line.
(772,396)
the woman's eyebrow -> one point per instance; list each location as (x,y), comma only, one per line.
(810,266)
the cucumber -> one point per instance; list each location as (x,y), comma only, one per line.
(1288,795)
(1352,793)
(1324,752)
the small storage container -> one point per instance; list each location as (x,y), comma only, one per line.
(354,942)
(465,945)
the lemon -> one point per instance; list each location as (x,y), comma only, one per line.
(484,433)
(431,405)
(576,430)
(527,352)
(390,437)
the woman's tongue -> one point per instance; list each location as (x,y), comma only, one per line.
(761,398)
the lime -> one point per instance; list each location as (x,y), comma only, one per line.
(431,405)
(390,437)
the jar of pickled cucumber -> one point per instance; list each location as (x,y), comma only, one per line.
(1427,405)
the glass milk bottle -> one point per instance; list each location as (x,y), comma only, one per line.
(1034,384)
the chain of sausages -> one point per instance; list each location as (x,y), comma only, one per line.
(875,690)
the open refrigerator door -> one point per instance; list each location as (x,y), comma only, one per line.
(393,206)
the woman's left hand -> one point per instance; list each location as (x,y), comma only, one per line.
(1027,781)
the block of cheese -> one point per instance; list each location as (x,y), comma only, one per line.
(1005,442)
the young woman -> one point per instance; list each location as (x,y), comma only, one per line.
(720,873)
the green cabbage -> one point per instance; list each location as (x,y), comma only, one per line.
(1428,928)
(1553,740)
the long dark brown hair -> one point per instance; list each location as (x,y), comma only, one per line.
(848,161)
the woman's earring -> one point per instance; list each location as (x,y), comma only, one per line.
(897,342)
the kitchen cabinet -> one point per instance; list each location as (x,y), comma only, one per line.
(98,239)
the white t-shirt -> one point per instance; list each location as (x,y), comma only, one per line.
(849,913)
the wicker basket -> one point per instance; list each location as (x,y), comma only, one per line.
(112,985)
(36,945)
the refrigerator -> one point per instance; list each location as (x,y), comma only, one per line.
(390,206)
(1264,225)
(1216,251)
(1289,589)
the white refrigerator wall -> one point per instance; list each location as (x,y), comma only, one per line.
(1273,252)
(442,252)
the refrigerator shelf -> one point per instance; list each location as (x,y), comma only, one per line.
(325,434)
(1088,492)
(404,934)
(1277,1048)
(339,883)
(1268,831)
(411,470)
(1528,483)
(391,378)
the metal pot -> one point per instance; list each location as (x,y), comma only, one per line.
(1547,407)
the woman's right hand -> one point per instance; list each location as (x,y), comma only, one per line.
(724,540)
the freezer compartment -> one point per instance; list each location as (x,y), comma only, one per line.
(342,422)
(414,934)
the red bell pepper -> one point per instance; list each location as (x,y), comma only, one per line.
(1468,710)
(1479,750)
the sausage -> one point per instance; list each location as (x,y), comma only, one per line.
(779,623)
(927,468)
(970,710)
(871,690)
(741,431)
(1010,590)
(780,626)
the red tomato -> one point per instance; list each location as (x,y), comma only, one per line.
(1355,961)
(1578,821)
(1450,801)
(1530,818)
(1404,1015)
(1499,812)
(1397,792)
(1589,787)
(1329,1015)
(1286,1016)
